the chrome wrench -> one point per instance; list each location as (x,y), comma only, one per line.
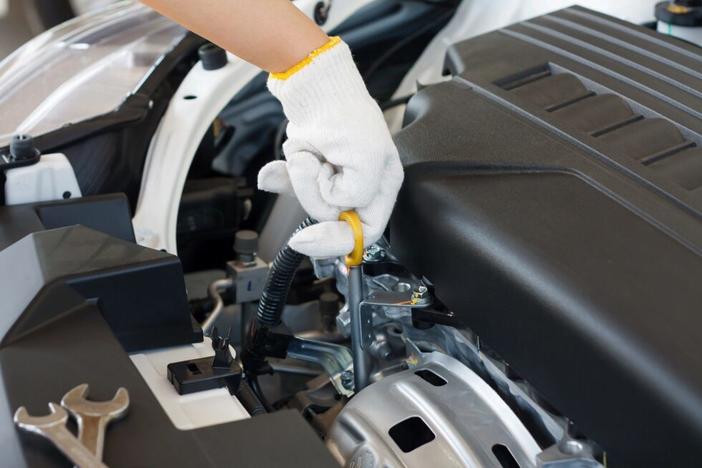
(53,427)
(94,416)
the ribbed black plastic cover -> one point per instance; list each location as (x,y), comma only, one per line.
(554,197)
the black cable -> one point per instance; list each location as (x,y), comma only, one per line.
(256,388)
(248,398)
(395,102)
(402,43)
(259,339)
(280,277)
(278,142)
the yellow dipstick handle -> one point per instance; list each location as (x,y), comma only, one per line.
(354,258)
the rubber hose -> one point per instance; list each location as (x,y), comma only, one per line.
(251,402)
(278,282)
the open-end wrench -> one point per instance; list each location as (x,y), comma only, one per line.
(94,416)
(53,427)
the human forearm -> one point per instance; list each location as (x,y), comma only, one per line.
(271,34)
(339,154)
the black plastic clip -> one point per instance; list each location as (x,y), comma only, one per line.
(198,375)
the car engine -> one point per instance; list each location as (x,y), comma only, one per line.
(534,302)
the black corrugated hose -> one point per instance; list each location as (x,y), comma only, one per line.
(270,310)
(278,282)
(250,400)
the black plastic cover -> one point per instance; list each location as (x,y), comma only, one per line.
(77,346)
(553,195)
(109,214)
(72,301)
(140,291)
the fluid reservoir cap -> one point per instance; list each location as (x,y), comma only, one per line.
(687,13)
(246,244)
(212,56)
(22,147)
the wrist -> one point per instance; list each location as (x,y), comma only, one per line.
(307,60)
(326,82)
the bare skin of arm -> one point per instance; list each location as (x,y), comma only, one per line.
(271,34)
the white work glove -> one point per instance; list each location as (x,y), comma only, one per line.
(339,153)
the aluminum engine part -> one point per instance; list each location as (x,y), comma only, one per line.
(333,358)
(439,413)
(388,295)
(383,293)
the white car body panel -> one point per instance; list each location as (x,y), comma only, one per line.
(184,125)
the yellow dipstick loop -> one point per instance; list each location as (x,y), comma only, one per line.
(354,258)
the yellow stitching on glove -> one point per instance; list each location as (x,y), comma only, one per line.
(307,60)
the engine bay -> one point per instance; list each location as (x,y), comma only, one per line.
(533,303)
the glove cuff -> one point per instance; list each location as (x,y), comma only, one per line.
(327,79)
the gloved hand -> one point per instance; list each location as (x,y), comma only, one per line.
(339,152)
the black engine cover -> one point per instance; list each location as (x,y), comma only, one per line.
(553,195)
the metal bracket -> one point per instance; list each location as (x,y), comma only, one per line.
(249,279)
(333,358)
(390,304)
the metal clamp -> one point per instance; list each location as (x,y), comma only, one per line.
(333,358)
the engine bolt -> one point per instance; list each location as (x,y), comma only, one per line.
(374,253)
(347,379)
(420,295)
